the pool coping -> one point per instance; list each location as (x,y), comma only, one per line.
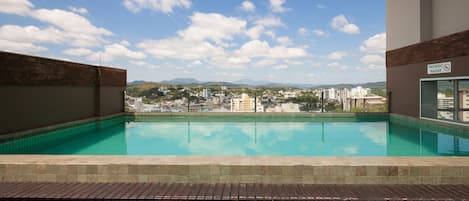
(239,169)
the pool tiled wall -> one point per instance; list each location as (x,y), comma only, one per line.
(269,170)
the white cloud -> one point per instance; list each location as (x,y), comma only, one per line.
(372,67)
(212,26)
(197,62)
(319,32)
(82,11)
(248,6)
(232,75)
(164,6)
(65,28)
(114,51)
(68,21)
(209,34)
(293,62)
(124,43)
(78,52)
(196,41)
(78,29)
(342,24)
(20,47)
(31,34)
(18,7)
(257,48)
(375,44)
(277,6)
(337,55)
(270,21)
(315,64)
(284,41)
(375,47)
(334,64)
(337,66)
(230,62)
(138,63)
(303,31)
(265,62)
(143,64)
(376,67)
(177,48)
(372,59)
(281,67)
(270,33)
(255,32)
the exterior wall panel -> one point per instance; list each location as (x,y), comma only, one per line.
(450,16)
(402,23)
(403,81)
(37,92)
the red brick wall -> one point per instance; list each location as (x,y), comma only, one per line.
(451,46)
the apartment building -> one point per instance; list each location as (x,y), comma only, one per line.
(246,104)
(428,54)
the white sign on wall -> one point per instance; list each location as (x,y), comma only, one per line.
(438,68)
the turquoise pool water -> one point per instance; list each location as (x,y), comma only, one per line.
(244,136)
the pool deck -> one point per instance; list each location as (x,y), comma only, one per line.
(174,191)
(238,169)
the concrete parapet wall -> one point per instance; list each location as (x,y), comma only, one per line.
(38,92)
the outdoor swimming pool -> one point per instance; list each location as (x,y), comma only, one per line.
(244,136)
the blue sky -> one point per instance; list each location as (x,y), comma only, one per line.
(290,41)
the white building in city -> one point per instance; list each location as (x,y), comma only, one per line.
(206,93)
(359,92)
(331,94)
(135,103)
(245,104)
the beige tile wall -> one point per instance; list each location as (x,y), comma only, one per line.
(324,170)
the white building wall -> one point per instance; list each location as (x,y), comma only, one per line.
(413,21)
(450,16)
(402,23)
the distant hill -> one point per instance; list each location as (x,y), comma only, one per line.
(253,83)
(136,82)
(181,81)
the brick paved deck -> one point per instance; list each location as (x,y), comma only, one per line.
(175,191)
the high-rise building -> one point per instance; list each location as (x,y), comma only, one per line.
(464,104)
(246,104)
(206,93)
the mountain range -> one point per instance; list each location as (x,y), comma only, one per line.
(257,83)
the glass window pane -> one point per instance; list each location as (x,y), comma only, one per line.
(445,99)
(428,99)
(463,100)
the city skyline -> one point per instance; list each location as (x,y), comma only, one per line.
(313,42)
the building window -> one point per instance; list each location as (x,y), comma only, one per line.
(445,99)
